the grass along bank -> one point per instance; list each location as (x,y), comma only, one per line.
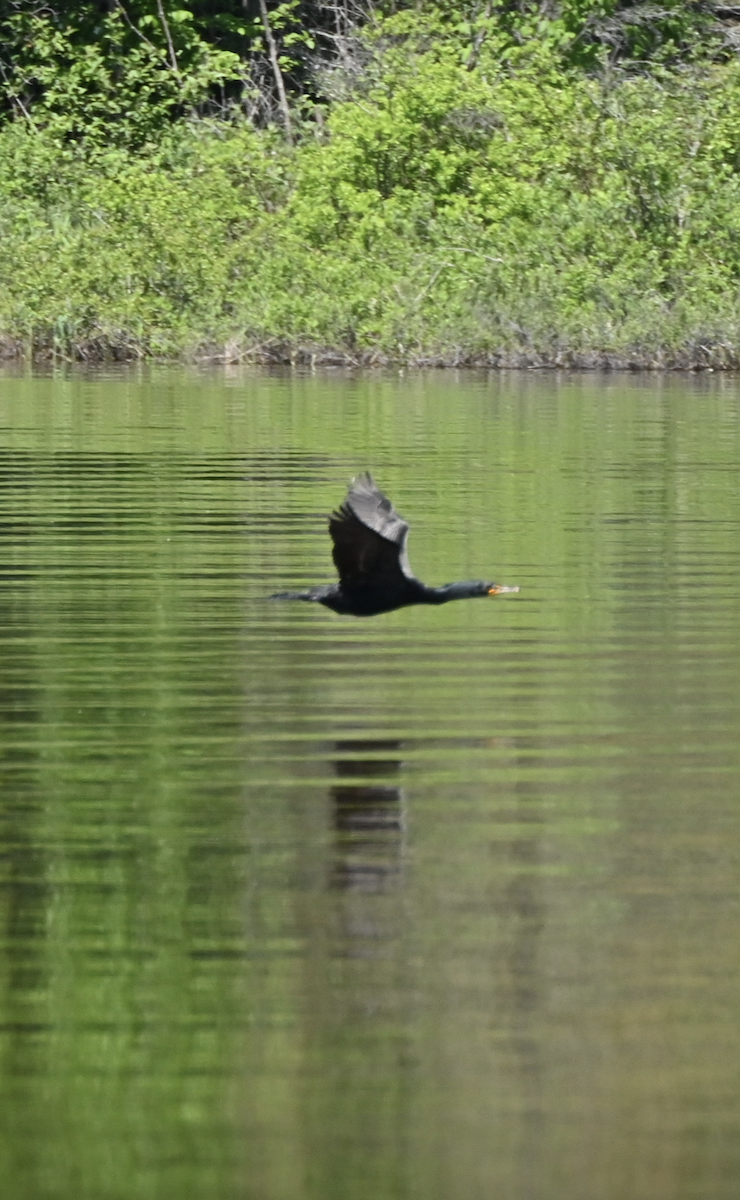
(508,215)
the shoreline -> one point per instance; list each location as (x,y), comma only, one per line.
(279,353)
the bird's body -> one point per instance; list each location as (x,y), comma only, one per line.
(370,555)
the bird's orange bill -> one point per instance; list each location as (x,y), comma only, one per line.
(498,588)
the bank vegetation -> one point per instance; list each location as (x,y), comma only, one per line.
(463,182)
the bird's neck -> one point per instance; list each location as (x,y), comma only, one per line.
(450,591)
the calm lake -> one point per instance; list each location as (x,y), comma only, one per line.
(442,904)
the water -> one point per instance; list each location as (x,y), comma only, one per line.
(442,904)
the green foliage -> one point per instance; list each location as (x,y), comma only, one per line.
(123,71)
(131,253)
(105,78)
(475,197)
(583,33)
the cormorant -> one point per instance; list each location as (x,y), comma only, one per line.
(370,555)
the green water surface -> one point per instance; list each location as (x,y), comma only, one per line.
(444,904)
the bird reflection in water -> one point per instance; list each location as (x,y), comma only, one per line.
(367,814)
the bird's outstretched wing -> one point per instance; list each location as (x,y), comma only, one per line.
(369,538)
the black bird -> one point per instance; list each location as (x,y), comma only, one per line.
(370,555)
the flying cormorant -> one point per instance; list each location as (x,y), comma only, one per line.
(370,555)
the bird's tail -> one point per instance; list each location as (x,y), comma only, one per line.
(307,595)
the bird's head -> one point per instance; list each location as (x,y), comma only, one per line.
(499,589)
